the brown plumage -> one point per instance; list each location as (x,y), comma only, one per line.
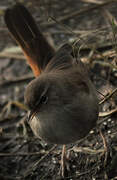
(62,99)
(23,29)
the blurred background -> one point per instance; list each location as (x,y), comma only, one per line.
(92,26)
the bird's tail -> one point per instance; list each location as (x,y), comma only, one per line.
(24,30)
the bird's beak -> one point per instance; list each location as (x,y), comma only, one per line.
(31,115)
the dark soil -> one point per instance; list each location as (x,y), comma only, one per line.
(22,155)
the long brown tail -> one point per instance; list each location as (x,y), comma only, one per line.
(24,30)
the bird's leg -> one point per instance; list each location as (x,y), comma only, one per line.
(64,162)
(63,158)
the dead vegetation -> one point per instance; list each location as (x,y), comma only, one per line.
(91,26)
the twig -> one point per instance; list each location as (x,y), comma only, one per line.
(93,1)
(12,55)
(108,113)
(108,96)
(20,154)
(17,80)
(11,121)
(104,64)
(33,167)
(100,93)
(105,147)
(109,17)
(86,150)
(9,177)
(82,11)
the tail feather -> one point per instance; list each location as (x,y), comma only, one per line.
(26,33)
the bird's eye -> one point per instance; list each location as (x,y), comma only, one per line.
(44,99)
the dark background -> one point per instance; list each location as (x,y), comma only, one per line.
(94,27)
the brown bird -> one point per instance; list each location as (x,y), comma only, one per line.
(62,100)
